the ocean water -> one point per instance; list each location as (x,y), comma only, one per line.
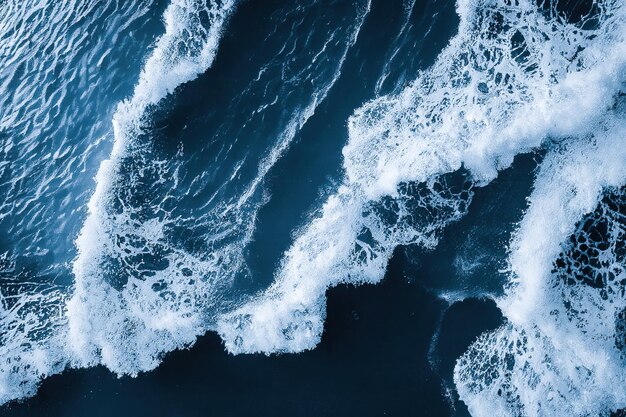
(198,194)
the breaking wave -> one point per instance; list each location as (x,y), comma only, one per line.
(103,319)
(162,251)
(135,267)
(50,144)
(514,75)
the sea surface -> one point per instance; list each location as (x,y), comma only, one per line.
(312,208)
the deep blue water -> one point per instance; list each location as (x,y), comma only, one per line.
(388,349)
(198,194)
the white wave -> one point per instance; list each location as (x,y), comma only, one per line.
(47,136)
(32,336)
(115,332)
(559,352)
(129,328)
(512,76)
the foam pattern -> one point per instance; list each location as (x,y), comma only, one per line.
(50,143)
(354,247)
(561,350)
(151,276)
(515,73)
(106,324)
(519,75)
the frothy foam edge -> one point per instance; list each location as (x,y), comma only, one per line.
(185,50)
(556,355)
(443,121)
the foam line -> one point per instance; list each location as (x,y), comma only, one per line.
(128,324)
(186,50)
(47,136)
(560,352)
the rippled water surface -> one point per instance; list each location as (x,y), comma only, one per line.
(206,172)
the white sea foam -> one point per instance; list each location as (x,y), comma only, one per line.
(47,136)
(128,330)
(512,76)
(560,352)
(129,325)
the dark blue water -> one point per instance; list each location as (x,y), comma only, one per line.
(194,191)
(386,350)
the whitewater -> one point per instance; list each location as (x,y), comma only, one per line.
(142,246)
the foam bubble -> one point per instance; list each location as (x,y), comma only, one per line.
(514,74)
(559,353)
(47,136)
(347,242)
